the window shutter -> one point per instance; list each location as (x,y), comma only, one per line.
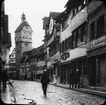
(71,42)
(105,22)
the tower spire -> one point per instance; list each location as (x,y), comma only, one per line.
(23,18)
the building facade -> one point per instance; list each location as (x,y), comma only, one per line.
(73,41)
(52,39)
(97,43)
(81,44)
(5,39)
(23,40)
(32,63)
(12,65)
(25,71)
(40,64)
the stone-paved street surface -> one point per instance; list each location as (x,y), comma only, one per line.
(31,91)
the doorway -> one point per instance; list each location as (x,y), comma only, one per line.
(102,68)
(92,71)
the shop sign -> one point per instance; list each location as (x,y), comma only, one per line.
(98,42)
(65,55)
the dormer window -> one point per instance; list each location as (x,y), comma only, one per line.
(26,44)
(27,27)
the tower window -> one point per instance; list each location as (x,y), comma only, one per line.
(26,44)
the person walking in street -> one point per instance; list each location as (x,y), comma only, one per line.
(44,82)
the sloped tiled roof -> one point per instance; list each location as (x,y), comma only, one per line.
(19,28)
(45,22)
(54,14)
(60,17)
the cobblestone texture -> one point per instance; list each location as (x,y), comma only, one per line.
(31,92)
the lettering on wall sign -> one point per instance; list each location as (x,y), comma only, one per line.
(65,55)
(98,42)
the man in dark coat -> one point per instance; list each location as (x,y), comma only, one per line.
(44,82)
(4,78)
(77,78)
(70,76)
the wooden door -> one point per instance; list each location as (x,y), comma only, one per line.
(102,68)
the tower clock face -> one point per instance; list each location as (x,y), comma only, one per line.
(27,29)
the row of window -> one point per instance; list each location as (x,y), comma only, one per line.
(12,64)
(27,63)
(12,55)
(54,49)
(40,67)
(25,43)
(82,66)
(74,11)
(41,58)
(16,38)
(98,27)
(80,36)
(12,60)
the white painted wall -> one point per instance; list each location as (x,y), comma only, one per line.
(73,23)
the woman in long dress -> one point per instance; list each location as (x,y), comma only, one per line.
(54,79)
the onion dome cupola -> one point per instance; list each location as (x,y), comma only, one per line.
(23,18)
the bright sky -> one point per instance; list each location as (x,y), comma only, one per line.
(34,10)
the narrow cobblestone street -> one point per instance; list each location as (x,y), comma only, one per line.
(31,91)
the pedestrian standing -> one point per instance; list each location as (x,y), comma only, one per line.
(77,78)
(5,79)
(70,77)
(25,77)
(54,79)
(44,82)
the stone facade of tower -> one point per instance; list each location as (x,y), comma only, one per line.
(23,39)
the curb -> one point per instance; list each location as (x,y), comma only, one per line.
(93,92)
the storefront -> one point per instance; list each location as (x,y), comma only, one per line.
(53,65)
(72,60)
(33,71)
(97,66)
(97,62)
(65,72)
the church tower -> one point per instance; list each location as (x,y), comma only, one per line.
(23,39)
